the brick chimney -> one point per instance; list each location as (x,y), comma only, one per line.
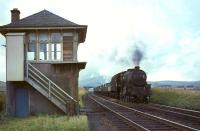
(15,15)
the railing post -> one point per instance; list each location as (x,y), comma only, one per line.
(49,88)
(27,69)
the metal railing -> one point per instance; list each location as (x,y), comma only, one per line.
(52,89)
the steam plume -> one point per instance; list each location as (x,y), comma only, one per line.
(137,56)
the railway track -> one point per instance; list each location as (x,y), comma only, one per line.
(186,117)
(178,116)
(143,120)
(183,116)
(186,112)
(101,119)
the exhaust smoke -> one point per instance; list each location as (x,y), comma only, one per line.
(137,56)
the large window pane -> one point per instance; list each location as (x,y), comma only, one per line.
(55,37)
(44,46)
(56,56)
(56,46)
(32,40)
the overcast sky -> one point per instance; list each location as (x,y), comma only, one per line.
(167,31)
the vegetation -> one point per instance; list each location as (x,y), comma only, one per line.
(176,97)
(2,101)
(82,92)
(45,123)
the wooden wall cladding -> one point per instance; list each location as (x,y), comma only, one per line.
(67,48)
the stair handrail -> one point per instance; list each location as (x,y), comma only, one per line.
(29,64)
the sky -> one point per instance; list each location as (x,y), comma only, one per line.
(166,31)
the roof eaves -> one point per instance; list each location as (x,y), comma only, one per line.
(42,27)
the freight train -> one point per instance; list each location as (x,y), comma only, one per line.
(130,85)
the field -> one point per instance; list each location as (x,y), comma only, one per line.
(44,122)
(177,97)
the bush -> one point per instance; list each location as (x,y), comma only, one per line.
(176,97)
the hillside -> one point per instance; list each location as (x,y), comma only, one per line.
(92,82)
(177,84)
(98,80)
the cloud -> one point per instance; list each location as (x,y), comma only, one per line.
(169,31)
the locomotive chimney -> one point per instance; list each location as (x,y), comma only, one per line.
(15,15)
(137,67)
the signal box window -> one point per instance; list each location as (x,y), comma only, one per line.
(32,41)
(43,46)
(56,46)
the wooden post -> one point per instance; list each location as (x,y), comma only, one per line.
(49,89)
(27,69)
(37,46)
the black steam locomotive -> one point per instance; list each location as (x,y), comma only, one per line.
(130,85)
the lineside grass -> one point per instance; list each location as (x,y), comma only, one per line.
(2,101)
(42,122)
(45,123)
(82,92)
(176,97)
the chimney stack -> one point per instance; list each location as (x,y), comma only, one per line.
(15,15)
(137,67)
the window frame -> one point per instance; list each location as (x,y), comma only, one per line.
(27,47)
(61,46)
(49,47)
(48,43)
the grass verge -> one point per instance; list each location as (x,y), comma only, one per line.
(45,123)
(82,92)
(2,101)
(176,97)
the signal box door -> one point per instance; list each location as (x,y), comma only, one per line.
(22,102)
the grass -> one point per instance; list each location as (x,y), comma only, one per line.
(2,101)
(82,92)
(176,97)
(45,123)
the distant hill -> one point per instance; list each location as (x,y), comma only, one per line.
(92,82)
(177,84)
(2,86)
(98,80)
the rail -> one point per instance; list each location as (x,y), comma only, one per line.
(46,84)
(139,127)
(168,122)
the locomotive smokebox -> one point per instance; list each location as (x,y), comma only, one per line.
(137,67)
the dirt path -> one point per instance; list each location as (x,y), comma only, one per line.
(97,117)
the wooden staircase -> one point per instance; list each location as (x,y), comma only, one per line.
(48,88)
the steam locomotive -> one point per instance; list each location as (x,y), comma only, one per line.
(130,86)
